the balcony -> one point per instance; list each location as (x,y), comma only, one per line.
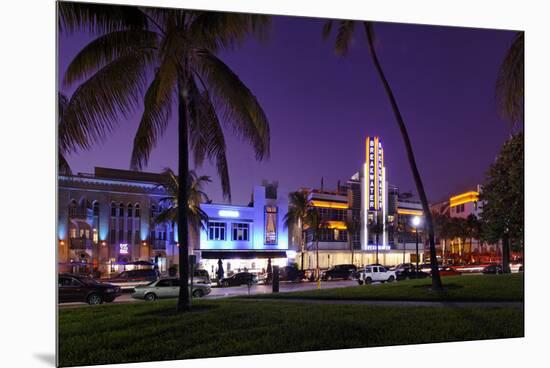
(81,243)
(158,244)
(86,214)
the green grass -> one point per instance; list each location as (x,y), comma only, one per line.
(134,332)
(458,288)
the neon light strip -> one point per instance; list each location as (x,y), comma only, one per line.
(365,207)
(464,198)
(409,212)
(317,203)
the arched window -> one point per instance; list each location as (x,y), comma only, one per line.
(130,210)
(113,209)
(137,212)
(121,210)
(72,208)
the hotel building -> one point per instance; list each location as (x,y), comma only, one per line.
(247,238)
(375,207)
(106,223)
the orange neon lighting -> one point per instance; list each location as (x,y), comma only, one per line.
(329,204)
(403,211)
(464,198)
(340,225)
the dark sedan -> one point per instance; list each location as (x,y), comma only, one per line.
(73,288)
(492,269)
(409,273)
(343,271)
(241,278)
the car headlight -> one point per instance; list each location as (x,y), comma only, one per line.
(110,290)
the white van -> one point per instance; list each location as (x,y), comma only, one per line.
(375,273)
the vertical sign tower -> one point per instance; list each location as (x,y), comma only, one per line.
(374,190)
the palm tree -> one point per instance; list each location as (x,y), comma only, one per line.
(343,39)
(177,49)
(196,217)
(473,231)
(316,224)
(297,212)
(376,228)
(352,228)
(510,83)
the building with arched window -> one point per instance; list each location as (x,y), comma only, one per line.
(105,222)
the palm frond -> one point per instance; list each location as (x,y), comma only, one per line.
(98,18)
(214,30)
(344,36)
(106,49)
(155,117)
(240,108)
(327,29)
(510,82)
(63,165)
(96,105)
(206,136)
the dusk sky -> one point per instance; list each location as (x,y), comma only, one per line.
(321,107)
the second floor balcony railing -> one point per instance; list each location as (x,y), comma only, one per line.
(81,243)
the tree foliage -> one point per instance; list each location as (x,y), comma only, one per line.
(503,195)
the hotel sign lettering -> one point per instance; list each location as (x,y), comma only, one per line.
(375,176)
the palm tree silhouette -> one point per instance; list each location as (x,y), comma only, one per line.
(343,38)
(176,48)
(297,212)
(352,227)
(196,217)
(316,224)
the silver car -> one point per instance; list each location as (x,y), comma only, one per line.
(167,288)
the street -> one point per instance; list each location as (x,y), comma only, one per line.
(219,292)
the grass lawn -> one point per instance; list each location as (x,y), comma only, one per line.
(458,288)
(133,332)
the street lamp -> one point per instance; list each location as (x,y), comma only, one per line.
(416,223)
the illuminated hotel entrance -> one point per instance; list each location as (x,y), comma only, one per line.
(233,262)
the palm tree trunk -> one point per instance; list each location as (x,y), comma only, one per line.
(436,280)
(184,303)
(505,253)
(317,257)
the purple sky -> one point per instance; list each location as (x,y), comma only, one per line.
(321,107)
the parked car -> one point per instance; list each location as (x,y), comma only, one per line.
(492,269)
(286,273)
(402,267)
(516,267)
(448,271)
(167,288)
(201,276)
(133,278)
(343,271)
(409,273)
(241,278)
(73,288)
(371,274)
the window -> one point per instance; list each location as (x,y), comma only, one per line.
(96,209)
(240,232)
(164,283)
(113,210)
(121,210)
(95,236)
(72,208)
(72,232)
(216,230)
(130,210)
(137,212)
(270,225)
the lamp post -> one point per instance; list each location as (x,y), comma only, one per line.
(415,223)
